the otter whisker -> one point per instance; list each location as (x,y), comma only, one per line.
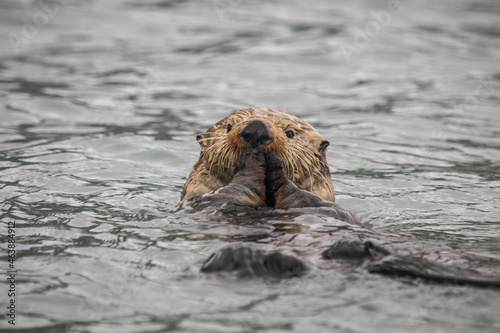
(188,144)
(211,138)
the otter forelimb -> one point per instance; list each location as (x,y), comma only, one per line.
(282,193)
(245,189)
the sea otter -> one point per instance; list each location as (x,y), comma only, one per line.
(268,163)
(297,144)
(261,157)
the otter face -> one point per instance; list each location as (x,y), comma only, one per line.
(299,146)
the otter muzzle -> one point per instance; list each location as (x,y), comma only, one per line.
(255,134)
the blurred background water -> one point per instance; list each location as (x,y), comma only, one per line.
(100,103)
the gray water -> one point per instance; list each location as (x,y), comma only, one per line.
(101,102)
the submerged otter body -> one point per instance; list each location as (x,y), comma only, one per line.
(268,163)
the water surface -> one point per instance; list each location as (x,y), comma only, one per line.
(99,108)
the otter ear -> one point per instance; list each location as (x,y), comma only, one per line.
(199,138)
(323,145)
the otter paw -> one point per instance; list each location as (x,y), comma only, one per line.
(251,158)
(244,263)
(275,178)
(356,251)
(274,163)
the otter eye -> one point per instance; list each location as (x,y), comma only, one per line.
(229,127)
(323,145)
(289,134)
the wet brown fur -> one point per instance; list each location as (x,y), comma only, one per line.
(304,162)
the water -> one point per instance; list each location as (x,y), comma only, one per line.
(100,105)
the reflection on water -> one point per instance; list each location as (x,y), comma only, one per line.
(101,102)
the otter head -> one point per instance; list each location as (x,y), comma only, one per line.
(299,146)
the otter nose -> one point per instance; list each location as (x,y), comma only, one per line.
(255,133)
